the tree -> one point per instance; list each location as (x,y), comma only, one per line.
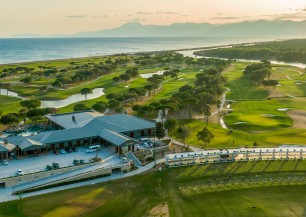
(80,107)
(26,80)
(9,119)
(57,83)
(207,112)
(170,124)
(30,104)
(205,135)
(99,106)
(149,88)
(160,130)
(36,113)
(183,133)
(22,112)
(124,77)
(116,79)
(85,91)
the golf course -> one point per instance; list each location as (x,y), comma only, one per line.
(268,116)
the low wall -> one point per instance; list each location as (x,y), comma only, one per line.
(78,178)
(17,180)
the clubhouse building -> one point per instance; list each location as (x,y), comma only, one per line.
(80,129)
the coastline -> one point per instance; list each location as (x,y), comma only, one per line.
(132,53)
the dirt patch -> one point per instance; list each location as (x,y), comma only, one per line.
(160,210)
(274,93)
(298,117)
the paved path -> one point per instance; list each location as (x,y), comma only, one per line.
(184,145)
(299,73)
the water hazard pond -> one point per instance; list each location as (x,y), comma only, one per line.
(97,92)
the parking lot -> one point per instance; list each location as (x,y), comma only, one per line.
(39,163)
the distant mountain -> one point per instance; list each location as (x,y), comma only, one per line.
(275,28)
(135,29)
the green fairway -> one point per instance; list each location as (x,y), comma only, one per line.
(242,88)
(258,115)
(135,196)
(224,138)
(9,104)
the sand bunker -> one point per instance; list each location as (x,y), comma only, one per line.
(283,109)
(298,117)
(240,122)
(160,210)
(268,115)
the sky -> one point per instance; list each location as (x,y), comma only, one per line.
(71,16)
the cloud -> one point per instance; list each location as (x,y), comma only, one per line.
(301,15)
(100,17)
(79,16)
(143,12)
(137,20)
(228,18)
(157,13)
(167,12)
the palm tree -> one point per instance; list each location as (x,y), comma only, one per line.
(86,91)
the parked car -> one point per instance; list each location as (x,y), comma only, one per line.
(69,150)
(49,167)
(93,148)
(5,162)
(20,172)
(56,152)
(144,140)
(76,162)
(62,151)
(75,149)
(82,161)
(56,165)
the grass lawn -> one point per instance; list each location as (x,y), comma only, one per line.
(9,104)
(258,115)
(172,85)
(136,195)
(109,87)
(241,87)
(224,139)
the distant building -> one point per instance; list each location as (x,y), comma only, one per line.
(81,129)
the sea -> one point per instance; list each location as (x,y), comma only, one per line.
(17,50)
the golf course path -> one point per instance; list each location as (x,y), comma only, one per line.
(299,73)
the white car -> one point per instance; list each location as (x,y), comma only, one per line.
(5,162)
(62,151)
(20,172)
